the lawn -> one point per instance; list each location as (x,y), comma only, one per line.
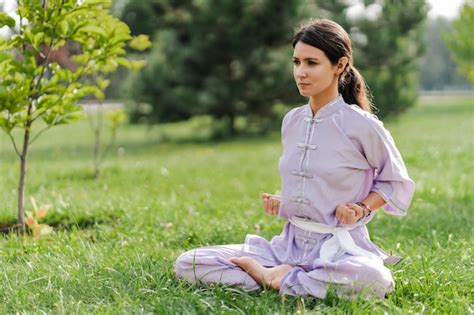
(116,238)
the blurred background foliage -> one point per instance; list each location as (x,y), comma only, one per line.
(230,61)
(460,40)
(438,70)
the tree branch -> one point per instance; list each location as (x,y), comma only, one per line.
(14,144)
(23,45)
(39,133)
(109,145)
(51,44)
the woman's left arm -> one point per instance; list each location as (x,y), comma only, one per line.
(391,182)
(392,187)
(373,201)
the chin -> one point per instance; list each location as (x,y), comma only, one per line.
(305,94)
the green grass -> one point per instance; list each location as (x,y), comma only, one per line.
(113,249)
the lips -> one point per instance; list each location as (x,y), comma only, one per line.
(303,84)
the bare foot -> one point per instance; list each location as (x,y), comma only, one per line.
(270,277)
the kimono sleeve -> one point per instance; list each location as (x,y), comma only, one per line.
(391,180)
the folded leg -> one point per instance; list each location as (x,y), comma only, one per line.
(210,264)
(350,276)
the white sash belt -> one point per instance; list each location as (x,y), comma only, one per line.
(341,241)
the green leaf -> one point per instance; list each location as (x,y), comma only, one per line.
(38,40)
(64,27)
(140,42)
(116,117)
(137,65)
(124,62)
(102,84)
(7,20)
(94,29)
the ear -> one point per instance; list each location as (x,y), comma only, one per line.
(341,65)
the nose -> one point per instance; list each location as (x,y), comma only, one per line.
(300,72)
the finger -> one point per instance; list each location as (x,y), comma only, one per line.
(339,217)
(277,206)
(270,207)
(264,196)
(275,203)
(269,210)
(272,204)
(342,217)
(266,206)
(358,210)
(339,213)
(274,210)
(355,216)
(348,215)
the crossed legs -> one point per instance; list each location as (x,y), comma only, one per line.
(268,277)
(223,264)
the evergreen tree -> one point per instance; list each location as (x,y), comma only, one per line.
(232,58)
(222,58)
(388,46)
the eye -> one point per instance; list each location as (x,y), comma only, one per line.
(312,63)
(296,62)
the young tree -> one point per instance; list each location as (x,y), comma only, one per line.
(34,87)
(99,124)
(114,117)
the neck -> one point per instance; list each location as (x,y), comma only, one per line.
(319,101)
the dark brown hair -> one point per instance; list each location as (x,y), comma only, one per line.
(334,41)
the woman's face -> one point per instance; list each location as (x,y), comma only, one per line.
(313,72)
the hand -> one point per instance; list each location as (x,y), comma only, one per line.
(271,203)
(349,213)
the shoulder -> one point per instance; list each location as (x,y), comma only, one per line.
(362,124)
(361,119)
(294,113)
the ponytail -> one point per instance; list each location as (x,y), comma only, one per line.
(354,90)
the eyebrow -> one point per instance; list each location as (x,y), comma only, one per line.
(306,59)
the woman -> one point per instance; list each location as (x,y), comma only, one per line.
(339,164)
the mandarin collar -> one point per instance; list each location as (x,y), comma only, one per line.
(331,107)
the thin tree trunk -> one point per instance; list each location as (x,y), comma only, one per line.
(23,169)
(97,153)
(98,135)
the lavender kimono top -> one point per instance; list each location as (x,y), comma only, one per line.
(340,155)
